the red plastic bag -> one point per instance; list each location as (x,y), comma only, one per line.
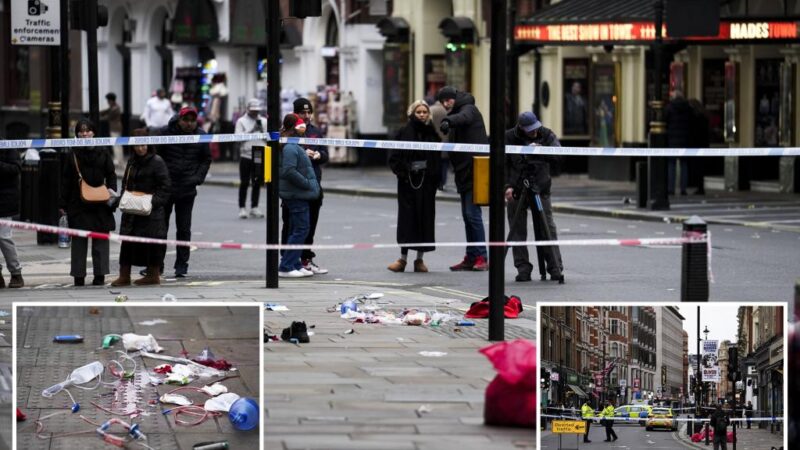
(511,396)
(729,438)
(480,310)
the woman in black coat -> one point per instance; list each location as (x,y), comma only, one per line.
(146,172)
(97,168)
(418,174)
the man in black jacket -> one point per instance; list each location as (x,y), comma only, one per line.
(10,169)
(188,165)
(464,125)
(535,169)
(719,423)
(680,119)
(318,154)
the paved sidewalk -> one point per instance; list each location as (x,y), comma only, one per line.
(577,194)
(367,390)
(752,439)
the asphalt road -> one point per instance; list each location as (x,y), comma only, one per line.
(747,264)
(630,437)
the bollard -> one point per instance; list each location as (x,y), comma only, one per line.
(689,427)
(694,263)
(29,191)
(706,433)
(49,187)
(641,184)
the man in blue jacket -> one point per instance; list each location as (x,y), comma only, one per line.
(188,165)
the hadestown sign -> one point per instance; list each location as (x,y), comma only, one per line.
(36,22)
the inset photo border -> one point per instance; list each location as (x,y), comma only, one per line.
(665,374)
(146,375)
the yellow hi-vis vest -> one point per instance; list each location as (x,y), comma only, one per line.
(587,412)
(608,412)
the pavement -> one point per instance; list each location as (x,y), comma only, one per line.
(577,194)
(369,389)
(752,439)
(231,333)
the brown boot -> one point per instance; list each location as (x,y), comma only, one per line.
(398,266)
(16,281)
(419,266)
(124,278)
(152,277)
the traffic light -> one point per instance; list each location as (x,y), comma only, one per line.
(305,8)
(80,11)
(546,380)
(733,363)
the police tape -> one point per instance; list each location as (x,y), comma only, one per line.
(396,145)
(542,150)
(688,238)
(675,419)
(136,140)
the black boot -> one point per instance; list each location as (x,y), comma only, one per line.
(297,330)
(99,280)
(80,281)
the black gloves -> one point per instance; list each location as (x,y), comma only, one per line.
(444,127)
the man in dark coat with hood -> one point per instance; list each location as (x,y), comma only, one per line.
(536,169)
(464,125)
(188,165)
(10,170)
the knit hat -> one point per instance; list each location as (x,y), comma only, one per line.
(300,124)
(302,105)
(446,93)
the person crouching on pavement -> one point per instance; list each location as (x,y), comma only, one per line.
(250,123)
(298,185)
(10,169)
(146,173)
(535,171)
(608,417)
(417,174)
(587,414)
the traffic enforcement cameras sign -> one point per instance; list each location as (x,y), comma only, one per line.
(36,22)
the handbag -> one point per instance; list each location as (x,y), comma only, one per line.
(89,193)
(135,202)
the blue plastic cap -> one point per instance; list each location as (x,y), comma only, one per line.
(274,135)
(76,407)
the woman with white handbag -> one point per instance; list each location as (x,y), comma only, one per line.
(145,191)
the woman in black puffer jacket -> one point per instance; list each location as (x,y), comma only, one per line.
(97,168)
(146,172)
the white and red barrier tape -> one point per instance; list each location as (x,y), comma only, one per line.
(688,238)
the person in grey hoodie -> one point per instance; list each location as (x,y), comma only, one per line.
(298,186)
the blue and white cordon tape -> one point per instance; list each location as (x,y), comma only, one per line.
(397,145)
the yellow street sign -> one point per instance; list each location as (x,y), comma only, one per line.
(569,426)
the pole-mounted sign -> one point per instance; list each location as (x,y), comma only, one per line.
(36,22)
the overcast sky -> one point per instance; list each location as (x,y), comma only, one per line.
(720,319)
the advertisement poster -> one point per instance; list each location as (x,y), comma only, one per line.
(435,74)
(677,78)
(714,97)
(576,104)
(604,106)
(395,85)
(710,366)
(786,115)
(768,101)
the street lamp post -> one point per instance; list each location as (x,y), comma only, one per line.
(705,331)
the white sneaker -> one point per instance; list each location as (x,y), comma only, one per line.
(310,265)
(305,272)
(242,213)
(255,212)
(292,274)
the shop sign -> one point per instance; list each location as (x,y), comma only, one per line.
(646,31)
(36,22)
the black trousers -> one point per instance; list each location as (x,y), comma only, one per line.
(314,206)
(610,434)
(588,425)
(248,173)
(519,232)
(183,222)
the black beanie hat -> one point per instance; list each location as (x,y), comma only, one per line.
(302,105)
(445,93)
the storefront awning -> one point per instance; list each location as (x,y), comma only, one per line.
(248,23)
(578,390)
(582,22)
(394,29)
(195,22)
(459,30)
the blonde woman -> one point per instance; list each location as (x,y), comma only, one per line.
(418,175)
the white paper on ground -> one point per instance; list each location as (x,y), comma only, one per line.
(221,403)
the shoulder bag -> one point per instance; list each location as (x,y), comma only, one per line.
(135,202)
(89,193)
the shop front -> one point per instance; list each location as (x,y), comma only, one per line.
(597,79)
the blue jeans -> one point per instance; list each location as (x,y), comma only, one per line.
(473,225)
(298,220)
